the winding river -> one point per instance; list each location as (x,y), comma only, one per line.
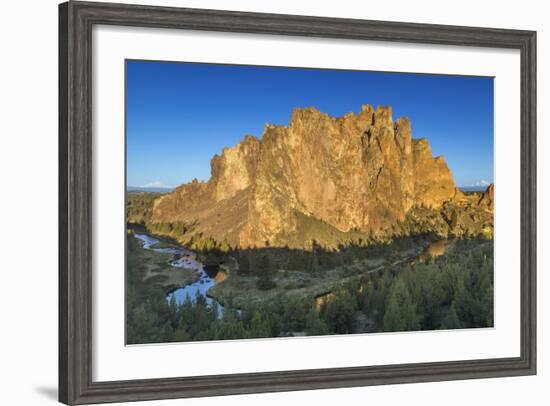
(184,258)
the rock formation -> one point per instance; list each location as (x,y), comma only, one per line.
(488,197)
(327,179)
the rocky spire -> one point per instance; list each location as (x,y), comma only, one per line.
(362,171)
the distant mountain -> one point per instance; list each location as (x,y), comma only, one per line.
(150,189)
(468,189)
(329,180)
(479,186)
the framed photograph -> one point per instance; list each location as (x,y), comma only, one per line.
(257,202)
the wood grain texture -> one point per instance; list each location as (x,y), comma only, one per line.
(63,366)
(76,20)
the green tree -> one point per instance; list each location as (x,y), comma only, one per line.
(400,314)
(142,325)
(314,325)
(258,326)
(451,320)
(181,335)
(244,263)
(168,332)
(339,313)
(230,327)
(313,265)
(265,274)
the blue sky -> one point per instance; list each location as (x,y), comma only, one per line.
(180,114)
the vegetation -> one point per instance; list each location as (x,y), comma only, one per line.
(452,291)
(139,206)
(139,209)
(154,267)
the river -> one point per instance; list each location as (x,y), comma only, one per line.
(184,258)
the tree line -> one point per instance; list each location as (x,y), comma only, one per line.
(454,291)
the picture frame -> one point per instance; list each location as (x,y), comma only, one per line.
(76,352)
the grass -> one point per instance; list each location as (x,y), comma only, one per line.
(243,289)
(295,284)
(156,267)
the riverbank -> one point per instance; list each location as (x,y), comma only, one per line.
(156,267)
(410,284)
(226,286)
(183,276)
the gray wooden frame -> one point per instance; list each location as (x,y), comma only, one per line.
(76,20)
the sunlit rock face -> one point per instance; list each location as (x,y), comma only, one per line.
(362,173)
(488,198)
(235,169)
